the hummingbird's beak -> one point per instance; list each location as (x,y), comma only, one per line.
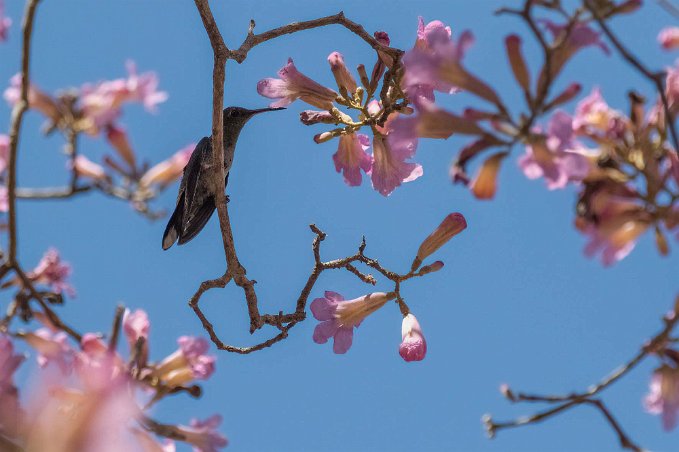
(262,110)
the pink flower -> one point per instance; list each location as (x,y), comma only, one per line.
(345,81)
(594,118)
(136,326)
(4,199)
(101,102)
(663,396)
(118,139)
(4,152)
(618,223)
(51,348)
(559,159)
(669,38)
(5,22)
(53,272)
(338,317)
(672,87)
(85,167)
(390,168)
(37,99)
(204,435)
(433,50)
(10,410)
(351,157)
(190,362)
(581,35)
(149,444)
(413,346)
(95,364)
(293,85)
(168,171)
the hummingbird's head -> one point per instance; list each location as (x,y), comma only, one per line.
(240,115)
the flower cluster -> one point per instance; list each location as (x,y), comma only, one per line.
(94,395)
(389,164)
(338,317)
(95,109)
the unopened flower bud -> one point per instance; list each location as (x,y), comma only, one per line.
(431,268)
(413,345)
(452,225)
(345,81)
(517,62)
(310,117)
(323,137)
(118,139)
(484,184)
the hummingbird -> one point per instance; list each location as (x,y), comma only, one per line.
(195,201)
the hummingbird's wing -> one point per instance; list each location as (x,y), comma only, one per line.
(195,204)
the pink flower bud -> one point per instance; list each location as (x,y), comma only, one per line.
(413,346)
(451,225)
(167,171)
(323,137)
(118,139)
(517,62)
(85,167)
(310,117)
(669,38)
(345,81)
(484,184)
(136,326)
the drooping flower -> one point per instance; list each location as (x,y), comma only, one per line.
(168,171)
(669,38)
(85,167)
(136,326)
(613,222)
(351,157)
(203,435)
(345,81)
(293,85)
(413,345)
(451,225)
(663,396)
(10,411)
(559,158)
(5,22)
(101,102)
(37,99)
(339,317)
(52,271)
(190,362)
(390,168)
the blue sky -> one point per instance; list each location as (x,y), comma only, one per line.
(517,301)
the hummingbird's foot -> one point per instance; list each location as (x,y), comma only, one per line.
(227,198)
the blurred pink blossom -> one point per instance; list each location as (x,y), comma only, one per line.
(4,152)
(4,199)
(37,99)
(51,348)
(559,159)
(293,85)
(118,138)
(351,157)
(581,35)
(96,365)
(434,48)
(85,167)
(190,362)
(136,326)
(594,118)
(101,102)
(413,345)
(53,272)
(167,171)
(663,396)
(203,435)
(10,410)
(5,22)
(339,317)
(669,38)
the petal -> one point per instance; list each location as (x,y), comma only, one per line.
(324,331)
(343,340)
(323,309)
(333,296)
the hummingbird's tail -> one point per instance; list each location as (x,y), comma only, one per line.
(182,229)
(174,225)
